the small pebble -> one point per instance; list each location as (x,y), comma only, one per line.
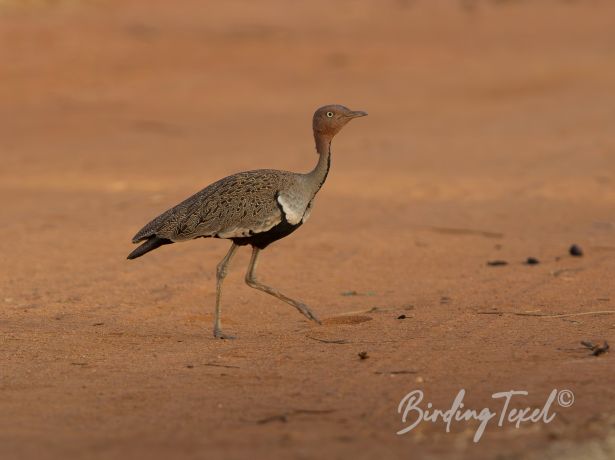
(532,261)
(575,250)
(497,263)
(401,317)
(363,355)
(189,366)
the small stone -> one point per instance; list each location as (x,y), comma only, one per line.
(532,261)
(363,355)
(575,250)
(497,263)
(401,317)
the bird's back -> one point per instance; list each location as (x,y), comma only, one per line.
(239,205)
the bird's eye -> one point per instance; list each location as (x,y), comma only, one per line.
(330,114)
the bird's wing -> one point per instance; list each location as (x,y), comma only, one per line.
(239,205)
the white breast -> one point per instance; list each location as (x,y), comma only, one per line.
(294,206)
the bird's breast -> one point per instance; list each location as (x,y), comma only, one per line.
(294,204)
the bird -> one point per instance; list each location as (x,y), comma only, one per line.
(252,208)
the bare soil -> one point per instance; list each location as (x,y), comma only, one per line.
(490,137)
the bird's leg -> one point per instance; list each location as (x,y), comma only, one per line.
(253,282)
(221,272)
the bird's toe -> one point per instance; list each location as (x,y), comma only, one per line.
(310,314)
(315,319)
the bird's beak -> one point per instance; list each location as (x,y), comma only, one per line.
(356,114)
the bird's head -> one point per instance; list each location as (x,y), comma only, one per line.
(330,119)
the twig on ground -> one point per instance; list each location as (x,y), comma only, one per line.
(284,417)
(547,315)
(395,372)
(567,315)
(337,341)
(596,350)
(221,365)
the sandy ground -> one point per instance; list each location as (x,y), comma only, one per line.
(490,136)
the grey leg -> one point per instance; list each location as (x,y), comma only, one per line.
(253,282)
(221,272)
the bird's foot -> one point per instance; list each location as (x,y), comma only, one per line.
(309,314)
(218,334)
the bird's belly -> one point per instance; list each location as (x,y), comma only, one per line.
(264,239)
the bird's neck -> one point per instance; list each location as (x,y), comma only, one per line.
(319,174)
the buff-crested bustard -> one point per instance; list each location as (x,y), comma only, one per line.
(253,207)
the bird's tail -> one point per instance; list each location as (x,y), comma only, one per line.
(151,244)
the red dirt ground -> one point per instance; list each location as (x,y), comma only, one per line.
(490,136)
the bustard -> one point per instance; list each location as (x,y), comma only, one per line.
(252,207)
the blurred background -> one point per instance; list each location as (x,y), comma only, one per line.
(490,136)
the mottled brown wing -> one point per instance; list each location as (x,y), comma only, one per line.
(238,205)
